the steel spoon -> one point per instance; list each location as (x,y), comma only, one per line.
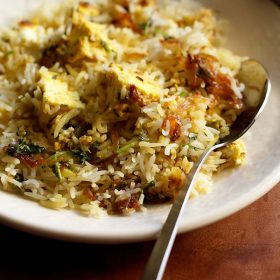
(257,88)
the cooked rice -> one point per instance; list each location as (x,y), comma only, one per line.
(106,106)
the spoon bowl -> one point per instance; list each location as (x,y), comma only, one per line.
(255,96)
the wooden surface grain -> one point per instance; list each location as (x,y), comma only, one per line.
(243,246)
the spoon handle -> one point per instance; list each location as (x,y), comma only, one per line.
(158,259)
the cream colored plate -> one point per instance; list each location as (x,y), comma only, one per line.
(254,30)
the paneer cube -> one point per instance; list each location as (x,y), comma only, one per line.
(56,92)
(127,77)
(88,40)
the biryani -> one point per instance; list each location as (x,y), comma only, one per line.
(106,105)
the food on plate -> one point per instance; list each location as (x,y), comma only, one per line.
(105,106)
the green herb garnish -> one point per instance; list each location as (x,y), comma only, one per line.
(130,144)
(149,185)
(82,129)
(133,142)
(183,94)
(193,137)
(22,147)
(80,155)
(105,46)
(143,136)
(56,171)
(19,177)
(94,147)
(195,148)
(145,25)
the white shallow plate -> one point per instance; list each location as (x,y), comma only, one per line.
(254,30)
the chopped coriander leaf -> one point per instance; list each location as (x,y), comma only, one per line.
(19,177)
(143,136)
(183,94)
(195,148)
(149,185)
(94,147)
(82,129)
(193,137)
(21,147)
(130,144)
(158,31)
(105,46)
(56,170)
(145,25)
(133,142)
(80,155)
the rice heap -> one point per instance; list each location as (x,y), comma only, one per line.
(106,105)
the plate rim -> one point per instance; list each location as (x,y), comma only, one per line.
(232,208)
